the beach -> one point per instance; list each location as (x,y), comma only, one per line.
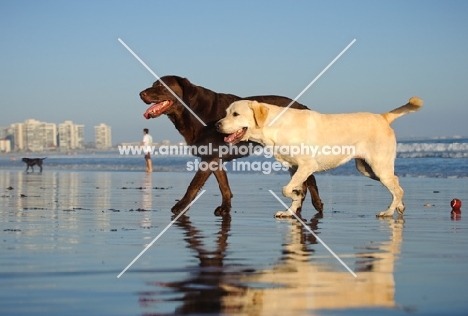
(91,91)
(67,235)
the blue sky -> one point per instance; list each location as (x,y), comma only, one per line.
(61,60)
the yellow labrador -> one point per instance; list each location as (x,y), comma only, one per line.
(316,142)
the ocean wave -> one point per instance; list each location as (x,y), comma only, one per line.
(432,150)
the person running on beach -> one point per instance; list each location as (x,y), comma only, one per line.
(147,141)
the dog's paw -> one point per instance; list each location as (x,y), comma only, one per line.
(387,213)
(222,210)
(401,209)
(283,214)
(179,207)
(318,205)
(176,211)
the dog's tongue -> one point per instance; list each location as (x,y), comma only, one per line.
(147,113)
(235,137)
(230,138)
(156,109)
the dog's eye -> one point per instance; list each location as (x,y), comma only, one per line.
(235,114)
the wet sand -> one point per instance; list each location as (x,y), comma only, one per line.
(67,235)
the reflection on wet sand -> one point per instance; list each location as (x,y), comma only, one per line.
(146,199)
(202,292)
(303,285)
(58,190)
(297,284)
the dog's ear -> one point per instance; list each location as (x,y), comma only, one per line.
(189,90)
(260,113)
(185,82)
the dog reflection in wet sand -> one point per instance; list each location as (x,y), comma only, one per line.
(299,283)
(369,134)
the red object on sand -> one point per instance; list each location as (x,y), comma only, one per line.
(455,204)
(456,212)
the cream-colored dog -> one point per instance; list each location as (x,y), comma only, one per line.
(325,141)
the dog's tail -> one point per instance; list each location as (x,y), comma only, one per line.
(414,104)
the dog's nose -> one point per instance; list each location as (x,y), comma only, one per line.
(142,94)
(218,125)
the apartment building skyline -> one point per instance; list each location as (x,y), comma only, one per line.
(33,135)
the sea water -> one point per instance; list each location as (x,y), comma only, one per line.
(434,158)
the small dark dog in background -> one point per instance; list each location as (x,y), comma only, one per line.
(30,162)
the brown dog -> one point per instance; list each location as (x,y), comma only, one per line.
(30,162)
(210,107)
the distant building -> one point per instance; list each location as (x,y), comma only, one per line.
(18,136)
(102,136)
(33,135)
(6,132)
(5,145)
(70,136)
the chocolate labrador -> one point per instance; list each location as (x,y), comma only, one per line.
(209,107)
